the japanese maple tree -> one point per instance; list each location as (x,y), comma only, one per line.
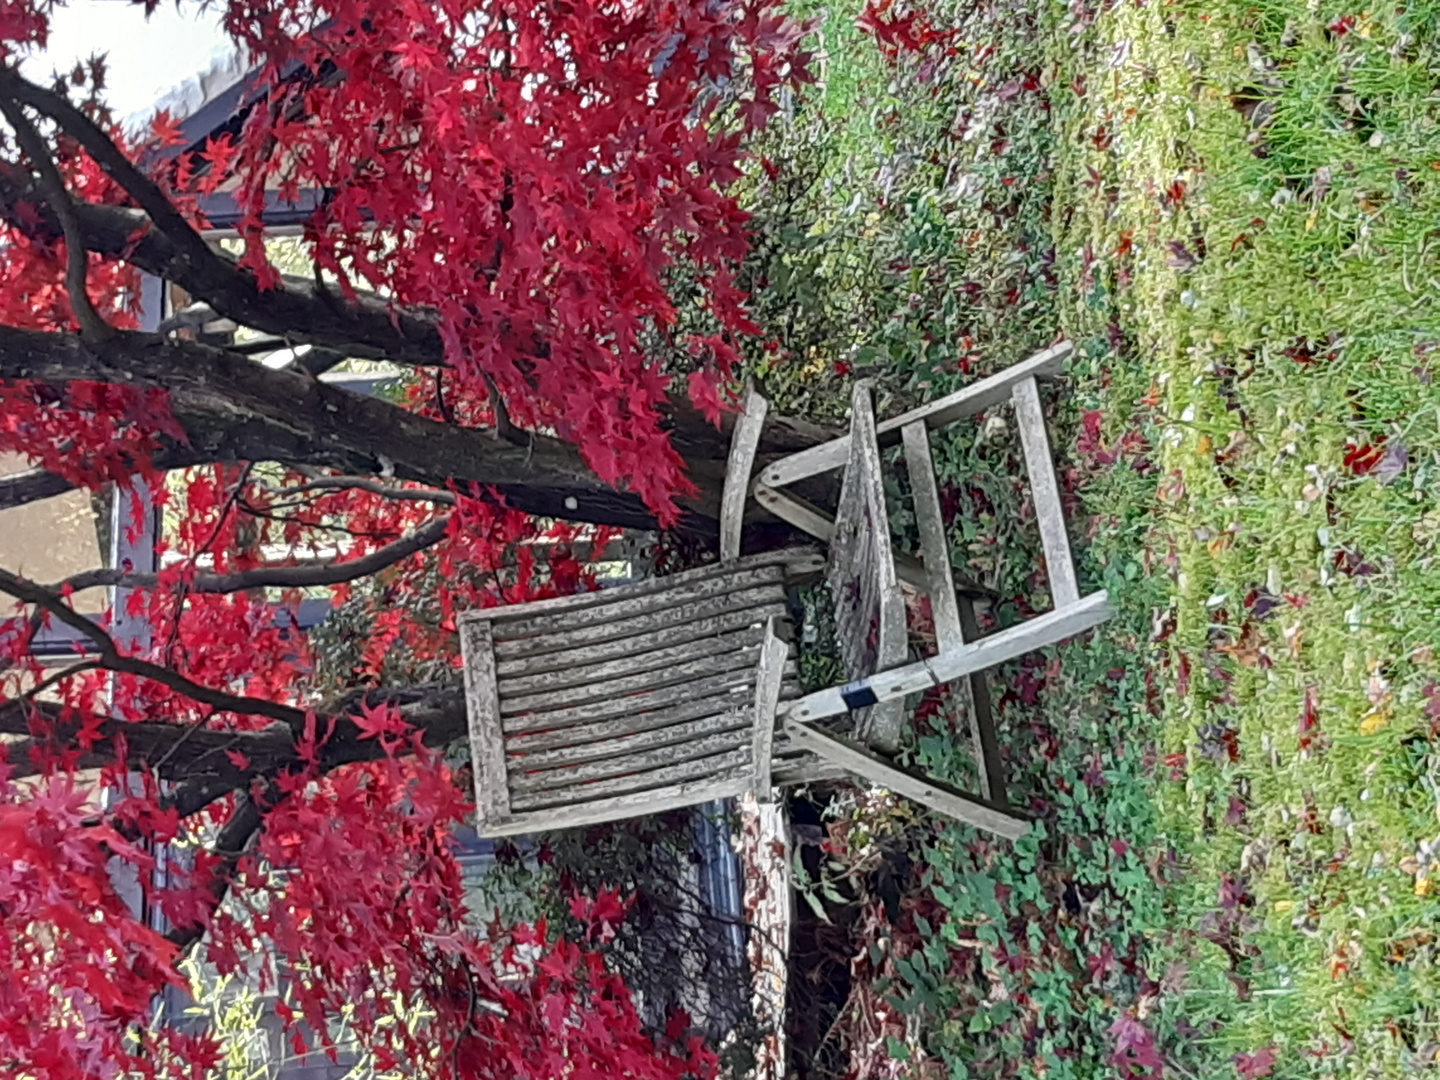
(502,194)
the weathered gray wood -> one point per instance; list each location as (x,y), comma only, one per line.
(633,663)
(620,807)
(741,681)
(744,442)
(768,677)
(982,716)
(926,790)
(517,618)
(680,615)
(810,518)
(699,769)
(805,769)
(631,764)
(633,722)
(621,605)
(482,705)
(934,546)
(869,609)
(796,511)
(561,663)
(767,902)
(1045,491)
(628,742)
(545,701)
(1053,626)
(968,401)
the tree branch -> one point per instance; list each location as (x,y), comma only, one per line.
(234,410)
(31,486)
(77,256)
(201,759)
(364,483)
(310,575)
(162,212)
(231,843)
(202,763)
(110,658)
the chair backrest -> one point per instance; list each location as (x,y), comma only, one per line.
(870,625)
(623,702)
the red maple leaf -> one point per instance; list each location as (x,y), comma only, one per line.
(166,129)
(1255,1065)
(382,721)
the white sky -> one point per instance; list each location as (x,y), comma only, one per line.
(147,58)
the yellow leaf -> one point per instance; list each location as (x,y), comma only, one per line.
(1284,907)
(1223,542)
(1375,720)
(1424,886)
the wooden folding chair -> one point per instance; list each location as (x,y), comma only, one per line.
(865,575)
(666,693)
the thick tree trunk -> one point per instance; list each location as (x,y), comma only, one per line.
(234,410)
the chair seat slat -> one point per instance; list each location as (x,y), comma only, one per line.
(663,617)
(718,766)
(636,762)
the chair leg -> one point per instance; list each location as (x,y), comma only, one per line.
(744,443)
(771,673)
(1044,488)
(982,716)
(953,803)
(769,912)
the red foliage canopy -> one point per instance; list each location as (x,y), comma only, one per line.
(508,190)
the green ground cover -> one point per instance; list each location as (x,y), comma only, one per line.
(1232,209)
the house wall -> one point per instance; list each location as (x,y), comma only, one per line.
(52,539)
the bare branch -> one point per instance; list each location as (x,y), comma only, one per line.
(110,658)
(77,256)
(364,483)
(309,575)
(31,486)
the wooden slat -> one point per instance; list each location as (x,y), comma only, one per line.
(770,674)
(982,716)
(718,766)
(805,769)
(675,674)
(925,790)
(796,511)
(1049,511)
(811,519)
(577,736)
(968,401)
(934,547)
(482,706)
(1048,629)
(624,603)
(562,662)
(513,619)
(720,742)
(634,663)
(620,807)
(682,614)
(627,741)
(744,441)
(867,595)
(742,681)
